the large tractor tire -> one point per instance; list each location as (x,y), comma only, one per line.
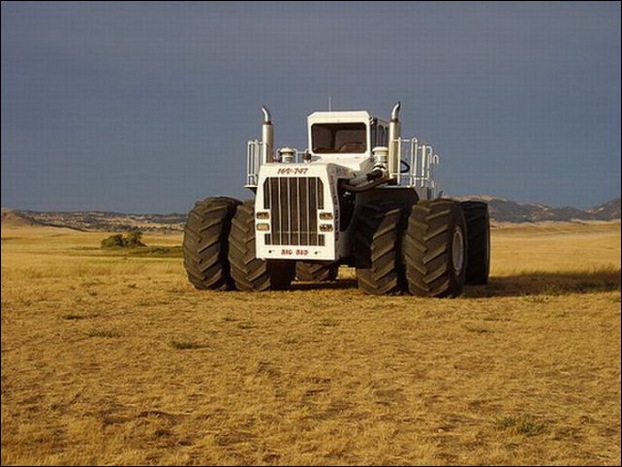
(321,271)
(249,272)
(478,241)
(435,249)
(376,248)
(205,243)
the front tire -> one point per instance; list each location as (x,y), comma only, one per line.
(435,249)
(205,243)
(249,272)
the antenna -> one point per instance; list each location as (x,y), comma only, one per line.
(330,103)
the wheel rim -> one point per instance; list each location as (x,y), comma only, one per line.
(457,251)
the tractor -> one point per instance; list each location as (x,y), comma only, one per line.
(360,195)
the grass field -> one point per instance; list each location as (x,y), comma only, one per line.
(109,358)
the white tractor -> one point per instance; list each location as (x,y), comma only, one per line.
(360,195)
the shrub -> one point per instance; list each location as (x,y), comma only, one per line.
(132,239)
(113,241)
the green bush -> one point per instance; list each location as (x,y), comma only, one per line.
(132,239)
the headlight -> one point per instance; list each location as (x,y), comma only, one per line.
(262,226)
(326,227)
(263,215)
(326,216)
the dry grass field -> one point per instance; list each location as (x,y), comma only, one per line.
(113,358)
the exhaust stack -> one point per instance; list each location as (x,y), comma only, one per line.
(394,135)
(267,137)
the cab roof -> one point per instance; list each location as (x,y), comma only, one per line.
(340,117)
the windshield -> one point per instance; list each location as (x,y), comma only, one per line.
(339,138)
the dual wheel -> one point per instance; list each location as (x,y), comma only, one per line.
(219,251)
(429,249)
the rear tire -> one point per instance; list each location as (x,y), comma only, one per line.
(205,245)
(376,249)
(478,241)
(249,272)
(323,271)
(434,248)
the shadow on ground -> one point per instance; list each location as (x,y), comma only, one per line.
(339,284)
(527,283)
(547,283)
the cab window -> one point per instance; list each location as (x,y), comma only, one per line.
(331,138)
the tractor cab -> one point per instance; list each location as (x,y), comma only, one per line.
(353,133)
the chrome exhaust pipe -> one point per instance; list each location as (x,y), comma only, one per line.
(394,136)
(266,114)
(395,112)
(267,137)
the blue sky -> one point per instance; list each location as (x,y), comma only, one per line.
(147,107)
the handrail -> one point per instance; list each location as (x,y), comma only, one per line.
(420,159)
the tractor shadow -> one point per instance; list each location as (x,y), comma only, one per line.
(547,283)
(517,285)
(339,284)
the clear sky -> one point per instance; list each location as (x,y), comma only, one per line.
(147,107)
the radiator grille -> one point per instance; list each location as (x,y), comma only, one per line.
(293,203)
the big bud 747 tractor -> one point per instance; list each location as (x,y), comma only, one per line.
(360,195)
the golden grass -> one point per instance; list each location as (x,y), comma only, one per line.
(115,359)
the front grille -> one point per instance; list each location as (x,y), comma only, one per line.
(293,203)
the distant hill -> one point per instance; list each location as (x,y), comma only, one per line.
(609,210)
(501,210)
(109,221)
(12,218)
